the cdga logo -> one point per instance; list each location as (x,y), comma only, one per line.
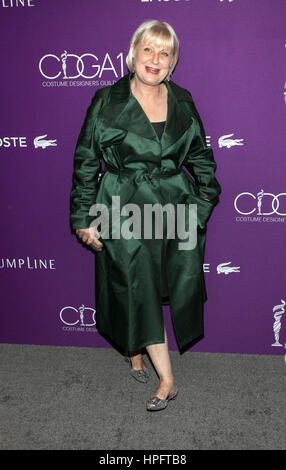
(247,203)
(78,317)
(71,66)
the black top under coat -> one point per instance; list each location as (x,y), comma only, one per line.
(159,127)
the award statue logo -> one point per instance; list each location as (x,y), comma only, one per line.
(279,311)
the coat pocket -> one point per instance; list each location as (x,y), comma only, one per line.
(204,209)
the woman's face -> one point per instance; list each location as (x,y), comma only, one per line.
(151,62)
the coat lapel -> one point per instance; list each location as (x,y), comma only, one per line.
(126,113)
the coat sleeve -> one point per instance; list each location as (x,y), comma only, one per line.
(200,162)
(86,168)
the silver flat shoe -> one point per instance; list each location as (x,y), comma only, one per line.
(156,403)
(140,375)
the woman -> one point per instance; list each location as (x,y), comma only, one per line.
(145,128)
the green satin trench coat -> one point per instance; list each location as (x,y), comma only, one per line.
(142,169)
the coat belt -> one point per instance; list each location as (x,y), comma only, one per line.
(157,174)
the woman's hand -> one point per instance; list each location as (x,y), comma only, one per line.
(90,237)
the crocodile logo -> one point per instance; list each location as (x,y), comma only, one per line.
(225,141)
(42,142)
(224,268)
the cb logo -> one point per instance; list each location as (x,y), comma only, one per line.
(72,316)
(262,199)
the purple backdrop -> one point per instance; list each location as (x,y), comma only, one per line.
(54,56)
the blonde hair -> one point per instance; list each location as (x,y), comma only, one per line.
(159,33)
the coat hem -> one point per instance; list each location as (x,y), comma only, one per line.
(143,345)
(149,343)
(155,341)
(192,340)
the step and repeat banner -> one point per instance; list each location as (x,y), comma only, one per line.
(55,55)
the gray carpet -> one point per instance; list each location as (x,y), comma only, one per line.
(84,398)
